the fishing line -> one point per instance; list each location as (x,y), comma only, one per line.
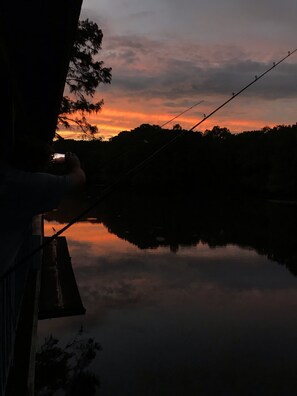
(183,112)
(234,95)
(108,190)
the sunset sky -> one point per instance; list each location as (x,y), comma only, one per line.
(167,55)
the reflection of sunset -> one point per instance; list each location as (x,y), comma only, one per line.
(95,236)
(112,273)
(99,241)
(205,306)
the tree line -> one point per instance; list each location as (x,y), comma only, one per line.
(259,162)
(262,162)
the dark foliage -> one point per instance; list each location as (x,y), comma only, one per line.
(260,162)
(85,73)
(66,368)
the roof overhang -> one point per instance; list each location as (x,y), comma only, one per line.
(36,41)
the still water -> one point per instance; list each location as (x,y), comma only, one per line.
(185,297)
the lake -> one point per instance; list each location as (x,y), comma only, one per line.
(185,295)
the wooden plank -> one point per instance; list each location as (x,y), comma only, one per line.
(36,43)
(59,294)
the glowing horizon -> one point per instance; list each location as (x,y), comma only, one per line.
(129,120)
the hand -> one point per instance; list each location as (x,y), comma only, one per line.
(75,172)
(72,161)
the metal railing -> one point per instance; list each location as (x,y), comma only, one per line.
(12,290)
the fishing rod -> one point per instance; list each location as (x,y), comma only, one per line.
(234,95)
(106,192)
(109,189)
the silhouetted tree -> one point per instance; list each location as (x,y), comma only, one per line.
(66,369)
(255,162)
(218,132)
(85,73)
(177,127)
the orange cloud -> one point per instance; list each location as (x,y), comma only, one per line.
(120,114)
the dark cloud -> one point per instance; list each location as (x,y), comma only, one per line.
(174,77)
(178,52)
(193,43)
(140,44)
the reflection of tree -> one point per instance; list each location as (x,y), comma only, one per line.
(66,368)
(152,220)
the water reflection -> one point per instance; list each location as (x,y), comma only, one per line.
(151,221)
(208,316)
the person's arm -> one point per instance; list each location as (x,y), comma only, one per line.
(76,174)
